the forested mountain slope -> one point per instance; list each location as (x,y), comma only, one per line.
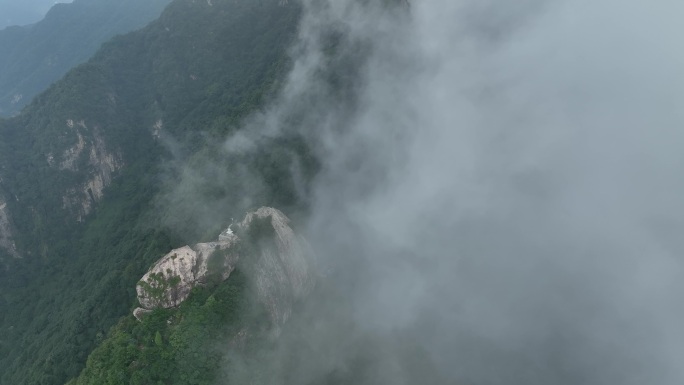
(33,57)
(80,168)
(479,211)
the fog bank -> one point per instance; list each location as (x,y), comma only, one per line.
(23,12)
(509,189)
(501,186)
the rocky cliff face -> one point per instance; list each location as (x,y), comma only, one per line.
(171,279)
(6,237)
(69,176)
(88,153)
(277,260)
(7,243)
(281,274)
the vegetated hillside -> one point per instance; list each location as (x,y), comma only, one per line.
(211,338)
(35,56)
(80,166)
(240,297)
(174,346)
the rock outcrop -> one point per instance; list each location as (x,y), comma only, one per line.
(276,259)
(101,165)
(281,274)
(6,237)
(171,279)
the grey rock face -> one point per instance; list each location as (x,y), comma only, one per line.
(6,237)
(279,263)
(283,274)
(102,164)
(140,313)
(169,282)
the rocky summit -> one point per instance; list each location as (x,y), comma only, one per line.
(277,260)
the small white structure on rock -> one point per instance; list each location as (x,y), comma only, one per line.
(282,274)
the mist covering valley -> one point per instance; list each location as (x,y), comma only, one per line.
(23,12)
(504,191)
(496,196)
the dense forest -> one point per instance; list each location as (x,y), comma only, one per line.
(433,192)
(122,160)
(199,69)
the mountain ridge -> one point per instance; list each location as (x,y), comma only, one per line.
(39,54)
(82,165)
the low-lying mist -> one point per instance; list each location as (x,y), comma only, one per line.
(500,199)
(23,12)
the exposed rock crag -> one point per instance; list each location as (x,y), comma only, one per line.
(6,237)
(101,164)
(281,275)
(278,262)
(171,279)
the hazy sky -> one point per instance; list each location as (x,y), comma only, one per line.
(21,12)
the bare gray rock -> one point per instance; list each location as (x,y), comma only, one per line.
(277,260)
(282,275)
(6,236)
(169,282)
(102,164)
(140,313)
